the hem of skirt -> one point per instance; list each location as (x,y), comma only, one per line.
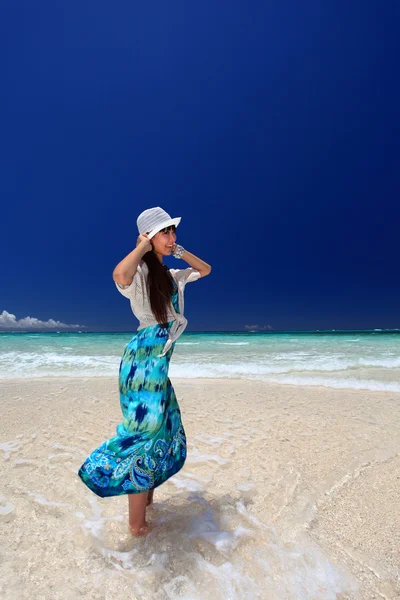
(109,492)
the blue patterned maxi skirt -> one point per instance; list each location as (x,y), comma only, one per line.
(150,445)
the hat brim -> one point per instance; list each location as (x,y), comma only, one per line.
(160,226)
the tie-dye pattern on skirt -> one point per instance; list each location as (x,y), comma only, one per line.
(150,445)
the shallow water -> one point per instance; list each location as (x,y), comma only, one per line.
(200,548)
(61,541)
(251,515)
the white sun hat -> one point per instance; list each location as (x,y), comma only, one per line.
(154,219)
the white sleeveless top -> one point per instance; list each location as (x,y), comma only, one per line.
(140,301)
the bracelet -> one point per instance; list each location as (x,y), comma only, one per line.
(179,250)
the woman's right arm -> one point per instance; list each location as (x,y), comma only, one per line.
(125,270)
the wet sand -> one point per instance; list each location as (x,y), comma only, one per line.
(287,492)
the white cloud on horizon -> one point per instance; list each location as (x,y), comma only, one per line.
(9,321)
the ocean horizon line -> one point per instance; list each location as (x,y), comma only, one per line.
(214,331)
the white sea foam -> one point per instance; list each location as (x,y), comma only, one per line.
(195,456)
(190,485)
(209,439)
(231,343)
(202,550)
(342,361)
(53,364)
(354,384)
(7,509)
(44,501)
(8,447)
(280,375)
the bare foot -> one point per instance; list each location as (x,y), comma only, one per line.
(141,531)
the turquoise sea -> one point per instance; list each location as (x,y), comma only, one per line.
(340,359)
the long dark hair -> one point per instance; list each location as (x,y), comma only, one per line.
(159,287)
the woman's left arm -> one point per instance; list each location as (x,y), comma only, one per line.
(196,262)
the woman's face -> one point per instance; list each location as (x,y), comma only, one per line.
(164,240)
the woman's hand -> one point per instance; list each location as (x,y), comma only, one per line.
(143,240)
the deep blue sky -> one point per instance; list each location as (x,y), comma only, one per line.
(272,129)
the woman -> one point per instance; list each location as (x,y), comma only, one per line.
(150,445)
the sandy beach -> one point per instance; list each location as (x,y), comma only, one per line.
(287,492)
